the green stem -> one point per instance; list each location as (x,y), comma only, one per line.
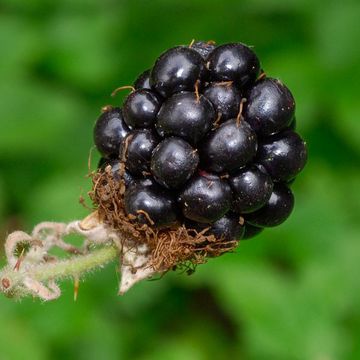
(75,266)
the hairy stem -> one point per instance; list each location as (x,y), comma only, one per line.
(75,266)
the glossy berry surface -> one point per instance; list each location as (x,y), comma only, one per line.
(203,48)
(176,70)
(186,116)
(143,81)
(283,155)
(225,97)
(205,142)
(109,132)
(173,162)
(277,209)
(205,198)
(228,147)
(234,62)
(270,107)
(159,205)
(251,188)
(251,231)
(140,145)
(140,108)
(229,227)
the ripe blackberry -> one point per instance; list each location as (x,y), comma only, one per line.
(225,97)
(277,209)
(270,107)
(140,108)
(207,143)
(139,147)
(251,188)
(229,227)
(176,70)
(234,62)
(185,115)
(109,132)
(283,155)
(173,162)
(150,203)
(228,147)
(251,231)
(205,198)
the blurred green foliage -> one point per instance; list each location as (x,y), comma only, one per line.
(292,293)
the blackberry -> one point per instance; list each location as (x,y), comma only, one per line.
(283,155)
(234,62)
(206,142)
(277,209)
(140,145)
(205,198)
(185,115)
(173,162)
(229,147)
(150,203)
(270,106)
(251,188)
(225,97)
(140,108)
(229,227)
(178,69)
(251,231)
(110,131)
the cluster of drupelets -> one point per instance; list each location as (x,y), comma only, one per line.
(200,156)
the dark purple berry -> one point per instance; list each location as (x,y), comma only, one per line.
(155,201)
(228,147)
(143,81)
(251,188)
(234,62)
(140,145)
(205,198)
(251,231)
(140,108)
(176,70)
(109,132)
(270,107)
(276,210)
(283,155)
(229,227)
(225,97)
(116,170)
(186,116)
(173,162)
(203,48)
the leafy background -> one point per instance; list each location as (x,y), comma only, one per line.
(293,292)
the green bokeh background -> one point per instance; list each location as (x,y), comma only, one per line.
(293,292)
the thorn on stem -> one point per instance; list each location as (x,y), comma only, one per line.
(76,287)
